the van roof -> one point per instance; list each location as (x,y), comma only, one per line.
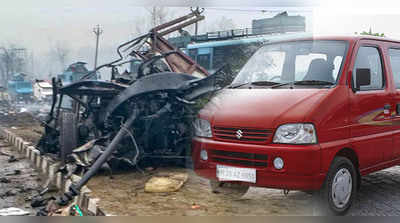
(354,38)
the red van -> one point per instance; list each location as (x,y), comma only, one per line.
(310,114)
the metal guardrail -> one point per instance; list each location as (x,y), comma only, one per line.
(182,41)
(247,32)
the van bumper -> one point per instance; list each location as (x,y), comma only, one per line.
(301,171)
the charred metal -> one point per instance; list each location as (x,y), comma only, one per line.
(140,117)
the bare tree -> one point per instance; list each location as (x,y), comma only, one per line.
(141,26)
(222,24)
(12,60)
(158,15)
(2,75)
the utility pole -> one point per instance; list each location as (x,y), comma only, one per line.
(33,62)
(98,32)
(196,27)
(154,14)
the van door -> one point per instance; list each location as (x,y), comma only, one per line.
(370,110)
(394,61)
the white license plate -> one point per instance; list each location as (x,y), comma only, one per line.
(228,173)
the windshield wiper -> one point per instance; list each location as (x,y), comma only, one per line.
(257,83)
(305,82)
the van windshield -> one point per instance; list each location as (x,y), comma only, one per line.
(311,62)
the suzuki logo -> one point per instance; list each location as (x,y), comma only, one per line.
(239,134)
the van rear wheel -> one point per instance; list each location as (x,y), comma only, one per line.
(233,190)
(340,186)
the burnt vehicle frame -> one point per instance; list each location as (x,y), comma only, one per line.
(132,119)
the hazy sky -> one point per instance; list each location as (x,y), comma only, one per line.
(40,24)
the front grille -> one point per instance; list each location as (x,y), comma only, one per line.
(253,156)
(242,134)
(239,158)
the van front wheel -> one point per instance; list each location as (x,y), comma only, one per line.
(339,188)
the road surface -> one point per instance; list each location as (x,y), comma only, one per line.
(18,180)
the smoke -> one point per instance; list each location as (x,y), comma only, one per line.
(36,110)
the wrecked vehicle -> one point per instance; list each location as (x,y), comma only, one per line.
(165,82)
(74,73)
(19,89)
(42,91)
(138,117)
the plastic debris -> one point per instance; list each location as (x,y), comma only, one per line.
(195,206)
(13,212)
(165,184)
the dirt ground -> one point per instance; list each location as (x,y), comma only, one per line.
(124,195)
(22,124)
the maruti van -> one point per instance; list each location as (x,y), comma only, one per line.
(311,114)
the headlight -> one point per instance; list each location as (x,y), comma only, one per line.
(202,128)
(299,133)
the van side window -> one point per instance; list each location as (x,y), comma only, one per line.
(394,55)
(369,58)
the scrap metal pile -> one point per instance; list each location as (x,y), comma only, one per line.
(137,117)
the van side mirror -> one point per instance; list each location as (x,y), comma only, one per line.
(363,77)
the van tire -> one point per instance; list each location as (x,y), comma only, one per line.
(234,190)
(337,199)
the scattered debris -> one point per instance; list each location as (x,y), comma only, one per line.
(13,212)
(150,168)
(10,193)
(4,154)
(5,180)
(17,186)
(165,184)
(15,172)
(39,201)
(12,159)
(66,211)
(76,211)
(24,189)
(195,206)
(52,209)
